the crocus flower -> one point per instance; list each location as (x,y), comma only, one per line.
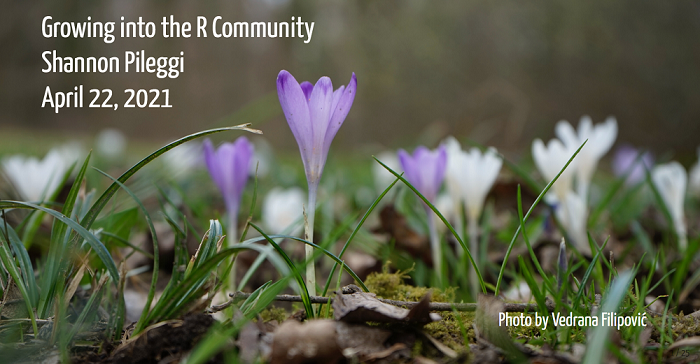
(694,177)
(624,158)
(670,180)
(314,113)
(600,139)
(228,167)
(280,210)
(550,160)
(573,215)
(36,179)
(425,170)
(470,176)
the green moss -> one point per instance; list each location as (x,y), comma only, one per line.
(685,326)
(391,286)
(448,330)
(274,314)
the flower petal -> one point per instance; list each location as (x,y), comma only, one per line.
(567,134)
(307,87)
(212,163)
(296,110)
(342,102)
(411,169)
(320,112)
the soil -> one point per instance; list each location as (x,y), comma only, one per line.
(162,344)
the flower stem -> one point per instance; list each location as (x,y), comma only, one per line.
(309,236)
(435,244)
(474,250)
(231,240)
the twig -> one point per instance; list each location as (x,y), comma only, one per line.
(434,306)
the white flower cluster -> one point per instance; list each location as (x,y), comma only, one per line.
(572,209)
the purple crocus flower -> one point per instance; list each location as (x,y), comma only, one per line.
(314,113)
(623,159)
(229,167)
(425,169)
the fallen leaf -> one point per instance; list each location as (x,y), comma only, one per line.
(314,341)
(360,307)
(688,341)
(360,341)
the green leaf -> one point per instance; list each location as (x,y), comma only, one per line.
(89,237)
(118,226)
(25,264)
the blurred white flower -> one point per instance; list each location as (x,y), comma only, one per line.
(281,211)
(262,158)
(550,160)
(573,215)
(36,179)
(694,177)
(470,175)
(519,292)
(110,143)
(446,205)
(483,170)
(600,139)
(670,180)
(454,175)
(382,177)
(184,158)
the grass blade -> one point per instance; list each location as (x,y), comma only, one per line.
(156,255)
(534,204)
(89,237)
(599,341)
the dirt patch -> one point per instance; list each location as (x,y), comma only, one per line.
(166,343)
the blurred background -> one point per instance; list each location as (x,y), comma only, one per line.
(499,73)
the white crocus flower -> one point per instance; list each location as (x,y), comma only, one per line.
(670,180)
(573,215)
(382,177)
(550,160)
(600,139)
(519,292)
(281,211)
(183,159)
(110,143)
(470,175)
(694,177)
(482,169)
(446,205)
(455,174)
(36,179)
(469,178)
